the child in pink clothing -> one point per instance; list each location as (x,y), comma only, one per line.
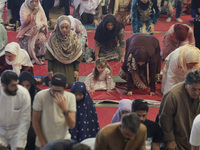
(100,78)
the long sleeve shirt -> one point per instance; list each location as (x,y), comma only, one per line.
(177,112)
(15,116)
(170,43)
(138,17)
(110,138)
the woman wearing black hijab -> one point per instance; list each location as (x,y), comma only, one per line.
(26,79)
(110,39)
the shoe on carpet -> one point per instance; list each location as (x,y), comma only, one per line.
(179,20)
(168,19)
(11,25)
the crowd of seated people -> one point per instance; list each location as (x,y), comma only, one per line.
(54,118)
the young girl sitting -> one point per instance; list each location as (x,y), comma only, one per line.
(100,78)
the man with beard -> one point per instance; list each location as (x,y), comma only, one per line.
(154,131)
(15,111)
(178,108)
(129,134)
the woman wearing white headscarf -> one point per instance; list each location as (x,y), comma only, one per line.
(124,107)
(80,30)
(64,51)
(33,31)
(178,63)
(88,11)
(17,58)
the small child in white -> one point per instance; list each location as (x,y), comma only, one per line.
(100,78)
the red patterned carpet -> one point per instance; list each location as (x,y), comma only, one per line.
(105,113)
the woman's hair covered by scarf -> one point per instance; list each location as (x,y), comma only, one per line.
(103,35)
(189,54)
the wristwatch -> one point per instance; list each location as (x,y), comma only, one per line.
(65,113)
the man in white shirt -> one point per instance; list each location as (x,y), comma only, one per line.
(54,112)
(15,111)
(195,134)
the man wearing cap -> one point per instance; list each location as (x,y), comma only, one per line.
(54,112)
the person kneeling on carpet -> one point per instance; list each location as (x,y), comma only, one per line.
(88,11)
(15,58)
(100,78)
(110,40)
(33,31)
(142,62)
